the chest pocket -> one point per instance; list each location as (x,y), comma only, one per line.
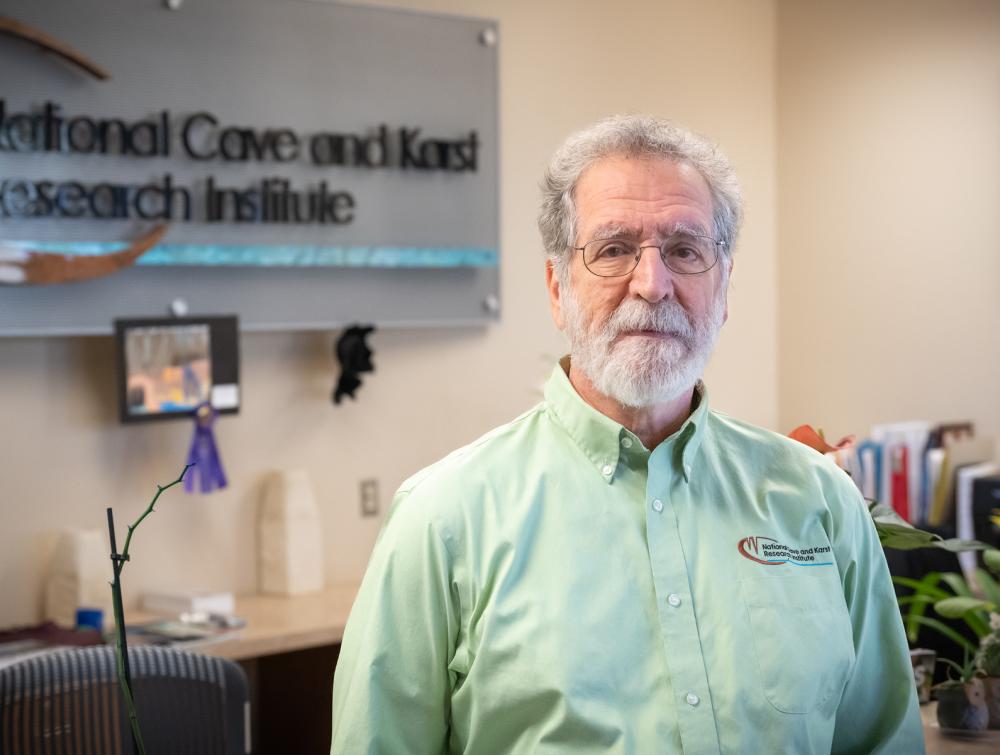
(802,637)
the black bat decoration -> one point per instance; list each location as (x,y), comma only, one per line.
(355,357)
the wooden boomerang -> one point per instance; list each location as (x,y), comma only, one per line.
(51,44)
(43,268)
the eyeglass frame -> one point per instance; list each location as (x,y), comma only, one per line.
(660,247)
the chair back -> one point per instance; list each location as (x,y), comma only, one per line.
(70,702)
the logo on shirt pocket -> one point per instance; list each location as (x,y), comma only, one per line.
(802,637)
(770,552)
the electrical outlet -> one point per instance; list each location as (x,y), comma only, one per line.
(369,497)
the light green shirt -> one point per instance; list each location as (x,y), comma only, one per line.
(555,587)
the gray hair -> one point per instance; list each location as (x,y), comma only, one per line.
(640,137)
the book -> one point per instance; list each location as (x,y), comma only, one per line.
(965,479)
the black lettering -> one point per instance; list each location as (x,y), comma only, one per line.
(105,130)
(337,207)
(43,199)
(16,198)
(101,201)
(232,145)
(53,125)
(171,193)
(466,153)
(142,139)
(68,199)
(285,145)
(410,156)
(89,129)
(186,135)
(19,129)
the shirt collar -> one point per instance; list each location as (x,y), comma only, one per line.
(604,441)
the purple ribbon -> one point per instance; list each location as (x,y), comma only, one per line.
(204,454)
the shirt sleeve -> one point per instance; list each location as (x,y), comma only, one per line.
(878,712)
(392,689)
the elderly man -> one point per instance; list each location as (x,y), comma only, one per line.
(622,569)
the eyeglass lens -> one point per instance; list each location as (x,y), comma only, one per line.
(683,253)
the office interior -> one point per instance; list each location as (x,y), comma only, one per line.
(867,139)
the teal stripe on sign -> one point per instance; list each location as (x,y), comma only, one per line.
(291,255)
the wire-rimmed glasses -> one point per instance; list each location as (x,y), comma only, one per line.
(682,253)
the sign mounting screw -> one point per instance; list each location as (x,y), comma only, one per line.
(488,37)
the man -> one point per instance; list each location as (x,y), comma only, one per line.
(621,569)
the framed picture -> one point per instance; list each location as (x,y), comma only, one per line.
(168,366)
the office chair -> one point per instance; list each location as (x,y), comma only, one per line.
(69,702)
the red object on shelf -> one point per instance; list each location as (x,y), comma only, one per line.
(900,481)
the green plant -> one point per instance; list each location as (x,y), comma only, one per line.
(121,648)
(895,532)
(966,671)
(988,655)
(952,597)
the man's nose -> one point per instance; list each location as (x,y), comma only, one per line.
(652,279)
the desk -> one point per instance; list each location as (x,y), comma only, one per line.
(939,744)
(289,649)
(281,625)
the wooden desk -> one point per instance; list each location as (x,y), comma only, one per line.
(289,649)
(940,744)
(282,625)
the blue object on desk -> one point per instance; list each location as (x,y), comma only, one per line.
(90,618)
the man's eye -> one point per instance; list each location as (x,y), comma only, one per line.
(685,253)
(614,250)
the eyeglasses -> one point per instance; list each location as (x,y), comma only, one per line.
(683,253)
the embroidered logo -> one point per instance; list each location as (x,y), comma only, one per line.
(768,551)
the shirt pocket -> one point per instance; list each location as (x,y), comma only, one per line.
(801,636)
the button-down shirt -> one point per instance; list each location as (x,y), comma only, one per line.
(555,587)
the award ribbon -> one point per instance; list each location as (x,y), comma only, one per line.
(204,454)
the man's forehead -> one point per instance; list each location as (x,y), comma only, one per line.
(622,229)
(621,195)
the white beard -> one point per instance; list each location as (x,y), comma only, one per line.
(637,371)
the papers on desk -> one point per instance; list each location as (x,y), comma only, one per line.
(176,602)
(188,628)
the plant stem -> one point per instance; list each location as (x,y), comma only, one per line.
(149,509)
(121,646)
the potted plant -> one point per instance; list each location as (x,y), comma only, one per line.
(988,664)
(952,597)
(961,702)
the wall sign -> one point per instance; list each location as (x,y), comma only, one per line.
(308,164)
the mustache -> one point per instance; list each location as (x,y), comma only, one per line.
(664,317)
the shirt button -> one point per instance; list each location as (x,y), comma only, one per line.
(674,599)
(626,442)
(692,699)
(657,505)
(607,469)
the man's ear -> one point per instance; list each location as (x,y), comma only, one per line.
(725,291)
(555,299)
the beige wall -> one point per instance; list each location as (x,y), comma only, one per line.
(889,211)
(64,458)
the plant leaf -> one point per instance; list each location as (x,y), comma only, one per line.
(988,585)
(926,587)
(956,608)
(957,584)
(895,532)
(992,559)
(958,545)
(947,631)
(910,599)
